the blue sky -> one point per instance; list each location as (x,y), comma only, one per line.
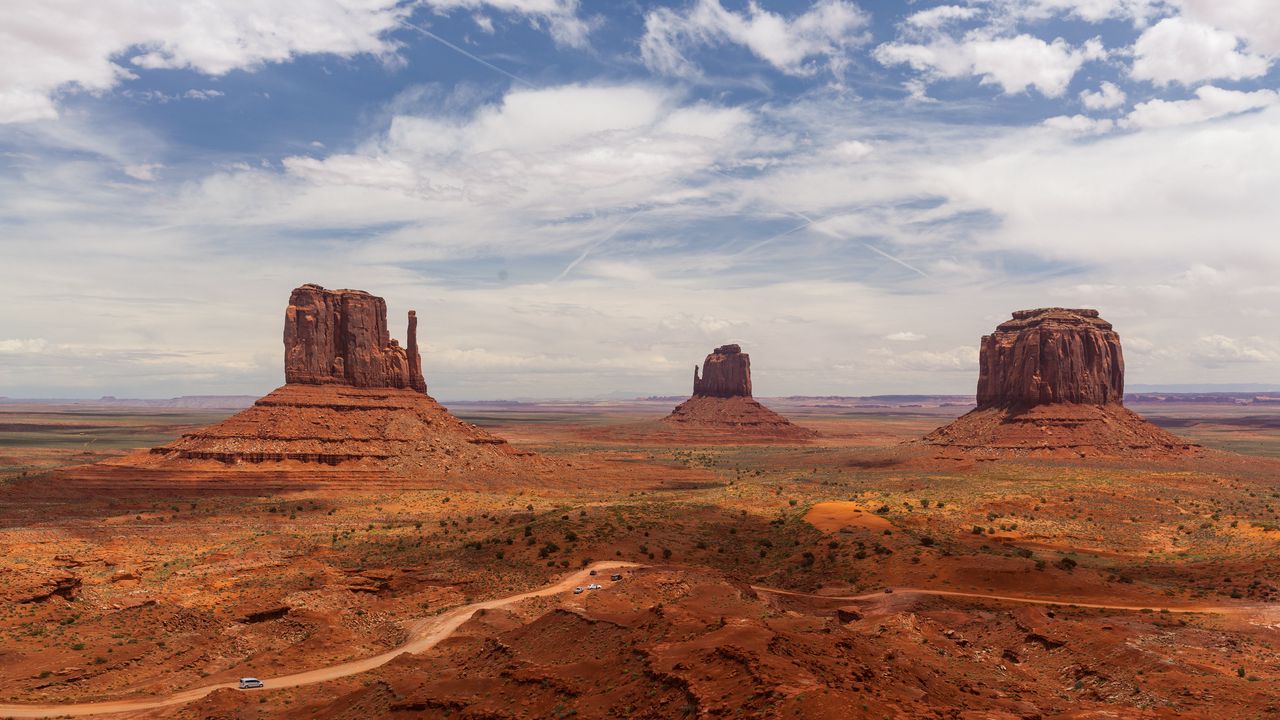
(583,198)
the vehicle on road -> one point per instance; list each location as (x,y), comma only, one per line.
(616,576)
(577,590)
(250,683)
(593,572)
(888,590)
(594,586)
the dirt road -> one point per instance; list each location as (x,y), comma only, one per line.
(424,634)
(1201,608)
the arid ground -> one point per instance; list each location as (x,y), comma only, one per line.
(845,576)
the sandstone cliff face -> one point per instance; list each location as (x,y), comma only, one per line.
(341,336)
(1051,355)
(726,373)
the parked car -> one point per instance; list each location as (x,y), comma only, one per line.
(594,586)
(250,683)
(593,572)
(577,590)
(616,576)
(888,590)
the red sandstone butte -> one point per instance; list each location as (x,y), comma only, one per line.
(726,373)
(354,407)
(1051,355)
(722,405)
(341,336)
(1051,381)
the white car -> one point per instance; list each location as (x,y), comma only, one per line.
(577,590)
(250,683)
(594,586)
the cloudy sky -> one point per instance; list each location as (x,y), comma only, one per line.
(583,197)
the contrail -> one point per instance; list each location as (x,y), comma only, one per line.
(808,221)
(593,246)
(886,255)
(482,61)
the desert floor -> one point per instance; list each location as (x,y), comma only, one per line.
(755,580)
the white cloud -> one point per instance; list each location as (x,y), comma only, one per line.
(1108,96)
(1210,103)
(1090,10)
(1256,21)
(197,94)
(142,171)
(1184,51)
(853,149)
(560,16)
(16,346)
(90,45)
(964,358)
(827,31)
(936,17)
(1219,350)
(1013,63)
(905,336)
(1080,124)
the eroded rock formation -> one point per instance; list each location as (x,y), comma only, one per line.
(354,402)
(1051,355)
(726,373)
(1051,381)
(722,404)
(341,336)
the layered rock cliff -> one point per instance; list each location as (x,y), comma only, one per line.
(722,406)
(341,336)
(1051,382)
(726,373)
(1051,355)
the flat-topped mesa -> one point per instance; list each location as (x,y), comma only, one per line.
(726,373)
(341,337)
(1048,356)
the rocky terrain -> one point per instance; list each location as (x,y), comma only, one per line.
(354,407)
(341,336)
(370,555)
(1051,381)
(722,404)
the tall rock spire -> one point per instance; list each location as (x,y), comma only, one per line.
(341,337)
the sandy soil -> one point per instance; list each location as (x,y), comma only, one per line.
(1022,587)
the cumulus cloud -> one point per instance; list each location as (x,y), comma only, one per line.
(16,346)
(1180,50)
(1080,124)
(958,359)
(1219,350)
(142,171)
(826,32)
(1253,20)
(1108,96)
(47,48)
(1209,103)
(1014,63)
(936,17)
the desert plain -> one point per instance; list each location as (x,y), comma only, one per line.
(856,573)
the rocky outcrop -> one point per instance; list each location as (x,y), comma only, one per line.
(354,404)
(722,406)
(1051,355)
(341,336)
(1051,382)
(726,373)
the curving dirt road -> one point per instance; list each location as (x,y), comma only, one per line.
(426,633)
(1219,609)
